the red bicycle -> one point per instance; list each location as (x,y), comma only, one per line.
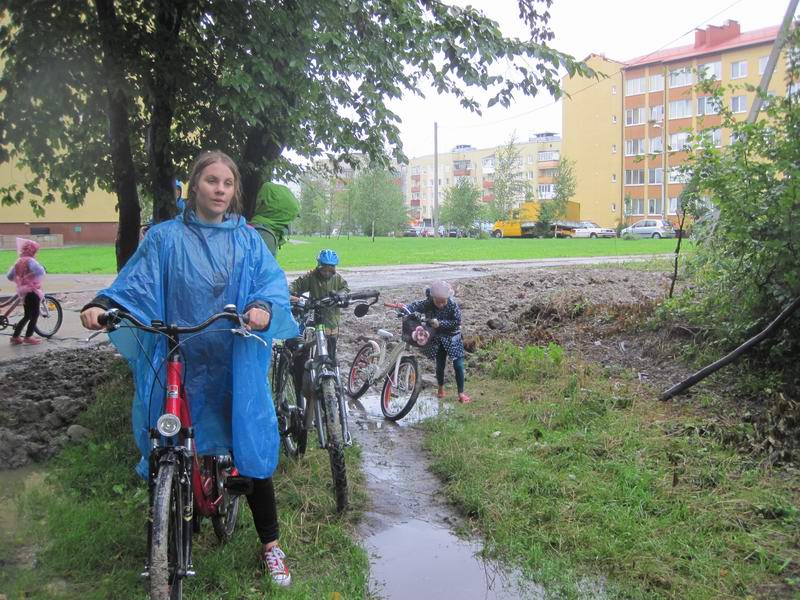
(184,487)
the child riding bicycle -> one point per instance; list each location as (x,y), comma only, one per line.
(185,270)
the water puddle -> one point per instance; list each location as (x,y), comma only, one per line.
(408,530)
(421,560)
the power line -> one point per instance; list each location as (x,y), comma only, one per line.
(591,85)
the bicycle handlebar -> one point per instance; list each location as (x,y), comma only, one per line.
(334,299)
(114,316)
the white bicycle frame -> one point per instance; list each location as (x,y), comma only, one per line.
(377,372)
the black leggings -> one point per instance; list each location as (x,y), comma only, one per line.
(31,315)
(458,367)
(265,512)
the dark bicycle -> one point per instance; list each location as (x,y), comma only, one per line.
(183,486)
(318,400)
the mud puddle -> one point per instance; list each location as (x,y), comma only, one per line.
(408,531)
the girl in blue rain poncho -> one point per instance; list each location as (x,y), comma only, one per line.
(184,271)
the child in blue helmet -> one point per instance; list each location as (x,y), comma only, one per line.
(319,283)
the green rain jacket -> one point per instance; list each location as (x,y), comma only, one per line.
(276,208)
(317,287)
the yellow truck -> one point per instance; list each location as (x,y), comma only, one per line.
(524,220)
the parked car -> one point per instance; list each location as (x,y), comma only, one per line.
(650,228)
(590,229)
(411,232)
(455,232)
(426,231)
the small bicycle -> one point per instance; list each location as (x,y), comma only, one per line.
(318,401)
(50,314)
(391,362)
(184,487)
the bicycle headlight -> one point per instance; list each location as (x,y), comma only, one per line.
(168,425)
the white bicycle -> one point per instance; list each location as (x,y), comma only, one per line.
(381,359)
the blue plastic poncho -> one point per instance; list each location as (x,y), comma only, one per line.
(183,273)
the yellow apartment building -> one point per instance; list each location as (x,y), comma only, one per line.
(592,138)
(539,158)
(655,106)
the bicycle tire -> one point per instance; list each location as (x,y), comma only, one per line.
(365,356)
(224,524)
(50,318)
(166,536)
(394,411)
(289,402)
(335,439)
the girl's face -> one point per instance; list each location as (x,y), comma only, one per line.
(214,192)
(439,302)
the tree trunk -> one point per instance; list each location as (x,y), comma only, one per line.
(119,133)
(258,153)
(168,19)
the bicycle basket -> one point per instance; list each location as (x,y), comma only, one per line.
(415,332)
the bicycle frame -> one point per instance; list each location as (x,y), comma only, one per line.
(386,362)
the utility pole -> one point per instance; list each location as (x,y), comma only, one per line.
(435,179)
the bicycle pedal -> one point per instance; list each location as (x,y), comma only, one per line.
(238,485)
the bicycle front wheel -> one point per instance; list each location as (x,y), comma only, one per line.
(335,438)
(398,397)
(50,317)
(358,379)
(166,537)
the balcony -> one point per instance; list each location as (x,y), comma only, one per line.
(547,195)
(487,197)
(547,164)
(415,177)
(415,189)
(488,184)
(462,172)
(416,202)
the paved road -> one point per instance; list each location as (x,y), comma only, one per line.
(75,290)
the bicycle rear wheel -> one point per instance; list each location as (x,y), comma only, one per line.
(224,521)
(357,379)
(289,408)
(50,317)
(398,397)
(335,438)
(166,537)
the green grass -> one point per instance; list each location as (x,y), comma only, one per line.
(588,478)
(88,526)
(360,251)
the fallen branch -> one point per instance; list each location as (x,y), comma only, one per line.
(735,354)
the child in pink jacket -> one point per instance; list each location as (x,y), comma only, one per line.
(27,274)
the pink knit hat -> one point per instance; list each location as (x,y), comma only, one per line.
(26,247)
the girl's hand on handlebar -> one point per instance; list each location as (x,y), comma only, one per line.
(259,319)
(90,316)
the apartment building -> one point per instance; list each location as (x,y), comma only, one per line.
(645,112)
(539,158)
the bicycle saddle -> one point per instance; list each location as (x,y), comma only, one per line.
(387,335)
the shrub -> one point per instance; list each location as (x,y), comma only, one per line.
(531,363)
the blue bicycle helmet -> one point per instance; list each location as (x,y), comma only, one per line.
(327,257)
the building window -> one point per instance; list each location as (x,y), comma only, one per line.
(657,113)
(707,105)
(739,104)
(680,109)
(635,116)
(548,155)
(634,206)
(613,178)
(739,69)
(712,70)
(613,90)
(762,64)
(713,135)
(613,148)
(634,176)
(488,163)
(547,191)
(655,176)
(674,203)
(677,176)
(656,83)
(634,147)
(530,159)
(681,77)
(679,142)
(656,145)
(613,118)
(655,206)
(635,86)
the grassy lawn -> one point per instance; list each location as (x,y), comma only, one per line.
(87,526)
(360,251)
(573,475)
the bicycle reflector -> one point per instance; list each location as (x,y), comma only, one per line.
(168,424)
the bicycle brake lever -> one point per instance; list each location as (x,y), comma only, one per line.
(246,334)
(94,335)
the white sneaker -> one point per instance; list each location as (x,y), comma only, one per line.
(274,561)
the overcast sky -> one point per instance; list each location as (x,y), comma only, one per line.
(620,29)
